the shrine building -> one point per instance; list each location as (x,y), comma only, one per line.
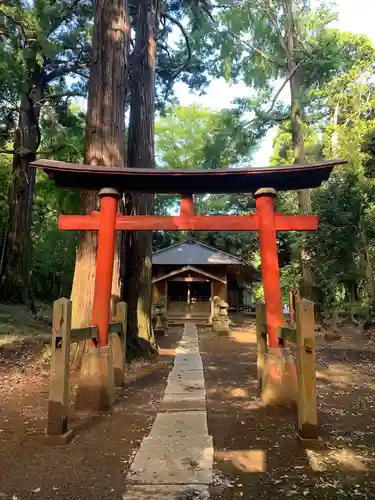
(190,274)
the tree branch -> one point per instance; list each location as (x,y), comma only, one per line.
(64,16)
(187,44)
(74,68)
(287,79)
(58,147)
(55,97)
(250,46)
(183,32)
(255,49)
(3,33)
(17,23)
(274,22)
(280,119)
(164,47)
(52,150)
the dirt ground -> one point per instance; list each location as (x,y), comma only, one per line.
(95,463)
(256,455)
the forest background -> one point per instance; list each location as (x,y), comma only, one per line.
(206,85)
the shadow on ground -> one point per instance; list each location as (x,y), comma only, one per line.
(257,454)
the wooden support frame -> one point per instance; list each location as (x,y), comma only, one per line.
(88,333)
(58,400)
(304,337)
(288,333)
(118,343)
(306,370)
(62,337)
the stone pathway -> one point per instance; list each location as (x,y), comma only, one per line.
(174,462)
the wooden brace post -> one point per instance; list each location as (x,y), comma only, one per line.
(261,331)
(118,345)
(291,308)
(58,399)
(306,352)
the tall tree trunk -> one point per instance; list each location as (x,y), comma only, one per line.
(296,88)
(369,271)
(138,253)
(104,138)
(15,282)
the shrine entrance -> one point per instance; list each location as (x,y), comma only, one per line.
(200,292)
(189,300)
(262,183)
(189,292)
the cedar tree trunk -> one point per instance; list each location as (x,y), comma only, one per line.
(296,88)
(104,139)
(15,282)
(369,274)
(138,251)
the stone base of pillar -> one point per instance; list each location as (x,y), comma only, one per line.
(221,327)
(279,380)
(96,387)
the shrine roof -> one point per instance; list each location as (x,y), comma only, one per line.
(193,252)
(232,180)
(185,269)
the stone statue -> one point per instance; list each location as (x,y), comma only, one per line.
(160,320)
(220,320)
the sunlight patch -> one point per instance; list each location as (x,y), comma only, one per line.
(239,393)
(343,458)
(247,337)
(340,376)
(244,460)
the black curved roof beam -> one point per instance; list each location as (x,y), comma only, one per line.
(167,181)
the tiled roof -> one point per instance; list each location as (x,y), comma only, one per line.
(195,253)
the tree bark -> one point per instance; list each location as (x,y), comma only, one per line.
(104,140)
(304,196)
(369,271)
(15,280)
(138,252)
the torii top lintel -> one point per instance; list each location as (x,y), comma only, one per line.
(233,180)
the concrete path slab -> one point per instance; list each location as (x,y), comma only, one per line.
(167,460)
(187,341)
(190,361)
(185,381)
(182,405)
(180,425)
(178,452)
(166,492)
(195,395)
(188,349)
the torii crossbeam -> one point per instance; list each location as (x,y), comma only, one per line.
(262,182)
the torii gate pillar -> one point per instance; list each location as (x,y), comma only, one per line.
(279,378)
(104,262)
(96,389)
(269,262)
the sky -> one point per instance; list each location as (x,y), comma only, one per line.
(357,16)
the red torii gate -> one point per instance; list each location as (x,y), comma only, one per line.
(262,182)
